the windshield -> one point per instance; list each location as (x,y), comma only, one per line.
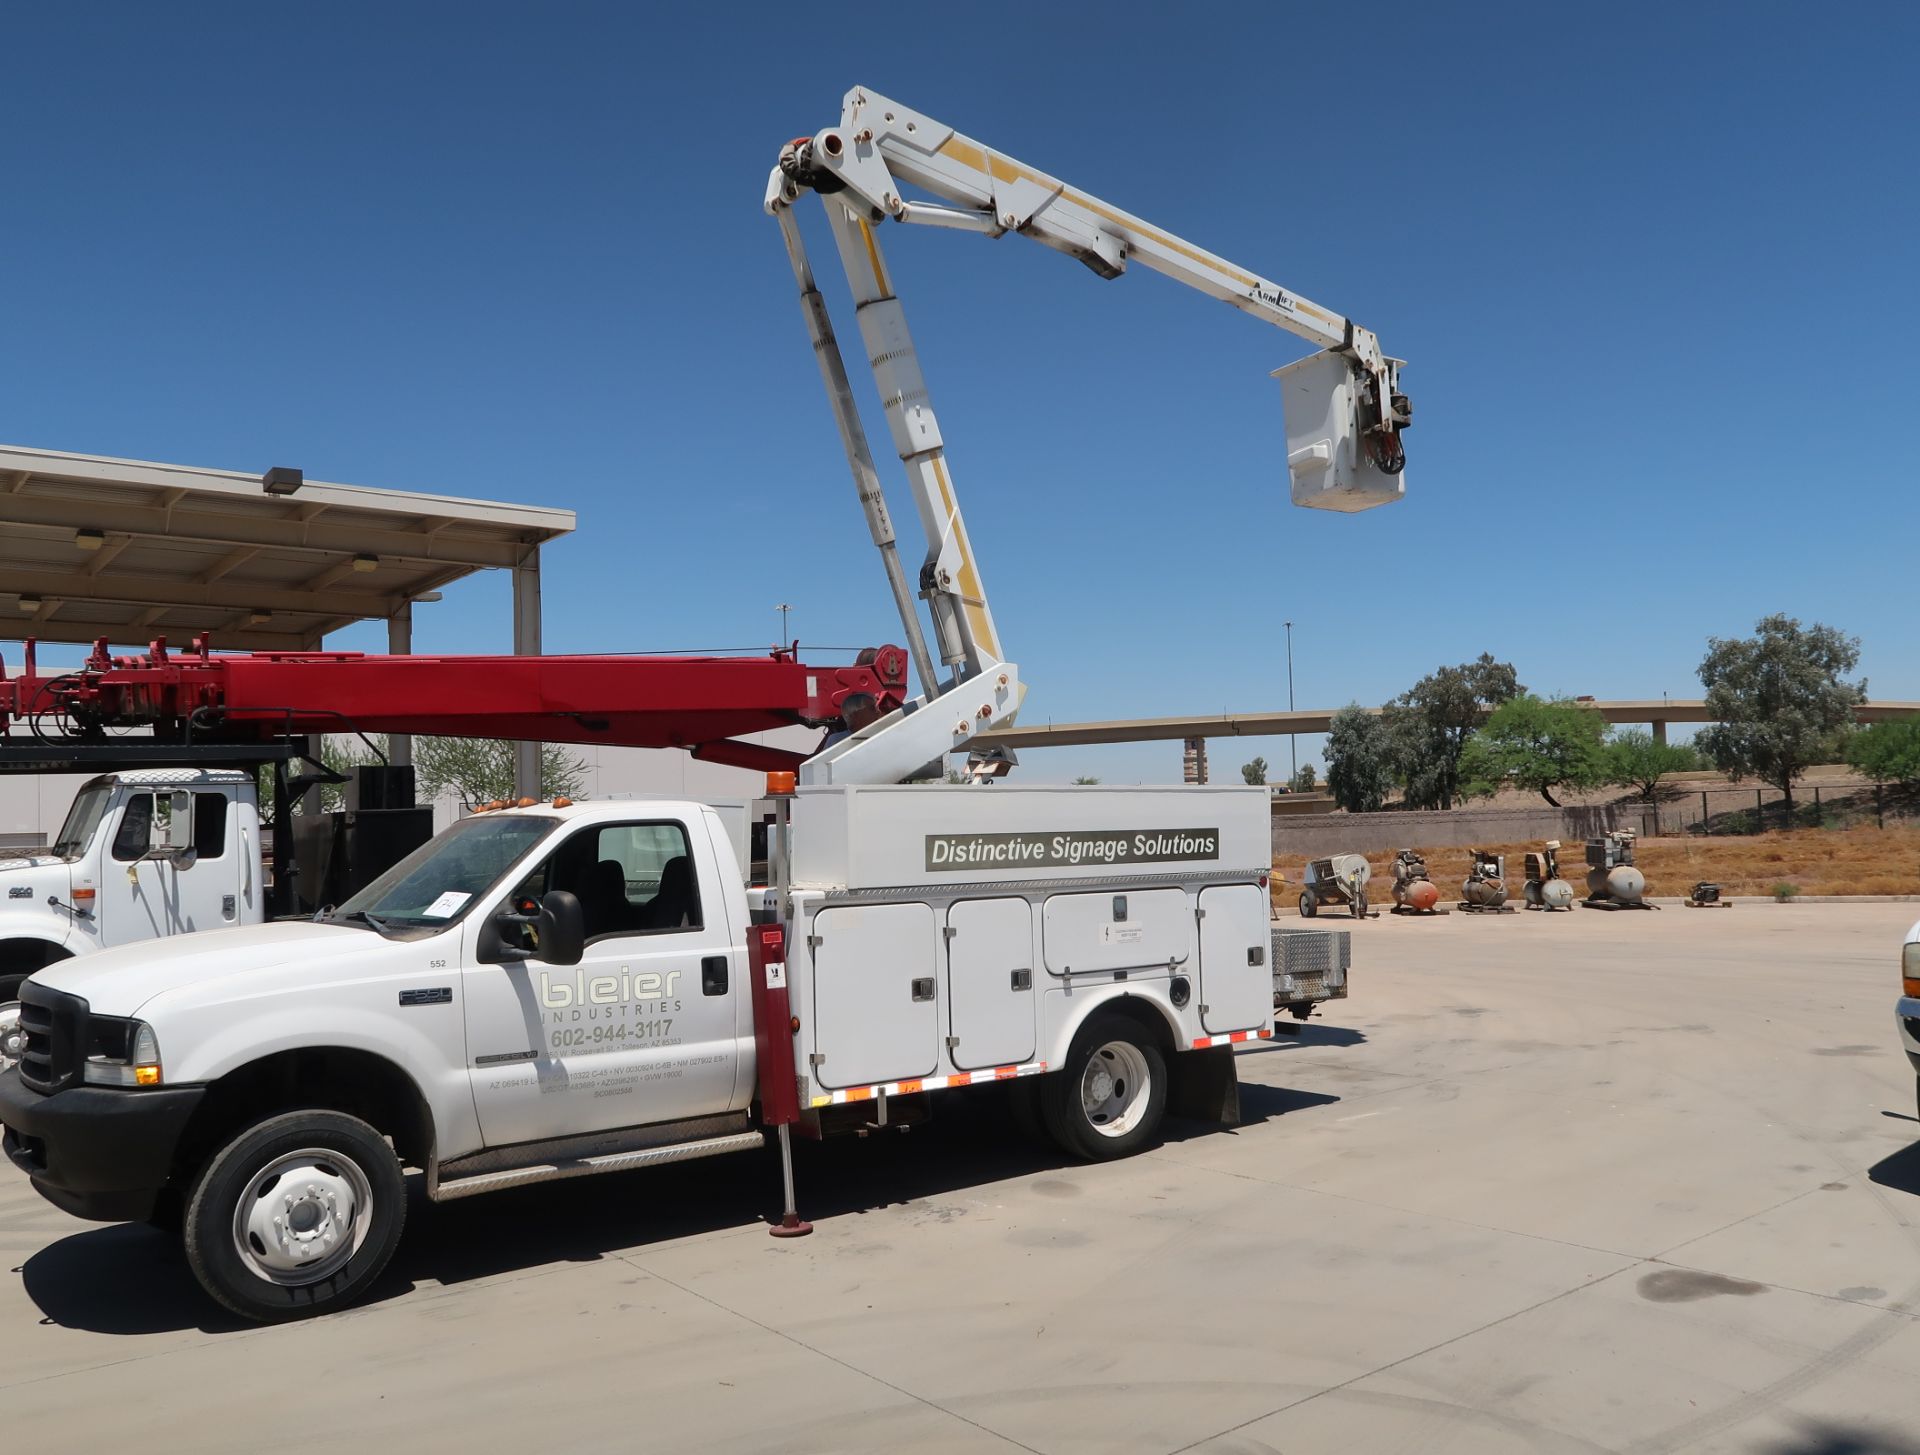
(439,881)
(82,819)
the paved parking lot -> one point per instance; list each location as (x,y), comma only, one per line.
(1629,1182)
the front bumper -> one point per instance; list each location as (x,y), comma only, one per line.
(1906,1016)
(97,1152)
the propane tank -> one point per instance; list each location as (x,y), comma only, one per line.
(1486,882)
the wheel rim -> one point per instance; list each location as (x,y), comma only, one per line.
(302,1217)
(1114,1088)
(13,1040)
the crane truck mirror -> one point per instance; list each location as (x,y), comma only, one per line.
(172,833)
(1334,434)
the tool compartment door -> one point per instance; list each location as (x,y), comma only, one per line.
(876,1012)
(1139,929)
(1236,982)
(990,999)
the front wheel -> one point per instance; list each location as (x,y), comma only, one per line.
(1107,1101)
(1306,906)
(297,1215)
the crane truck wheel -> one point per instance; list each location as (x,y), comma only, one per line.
(296,1215)
(1107,1101)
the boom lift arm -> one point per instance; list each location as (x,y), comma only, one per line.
(704,704)
(1344,407)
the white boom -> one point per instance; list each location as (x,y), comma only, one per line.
(1343,406)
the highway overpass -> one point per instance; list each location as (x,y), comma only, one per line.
(1656,712)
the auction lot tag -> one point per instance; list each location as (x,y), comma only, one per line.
(776,974)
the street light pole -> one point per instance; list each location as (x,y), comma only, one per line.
(1293,748)
(783,608)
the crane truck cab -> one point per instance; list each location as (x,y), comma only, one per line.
(551,991)
(140,855)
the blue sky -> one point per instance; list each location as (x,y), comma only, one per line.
(1652,267)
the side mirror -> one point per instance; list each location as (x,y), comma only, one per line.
(563,928)
(171,836)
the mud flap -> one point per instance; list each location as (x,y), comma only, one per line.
(1204,1086)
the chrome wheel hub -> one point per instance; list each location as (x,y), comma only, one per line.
(13,1040)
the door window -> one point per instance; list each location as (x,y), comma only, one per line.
(135,835)
(209,825)
(134,838)
(630,879)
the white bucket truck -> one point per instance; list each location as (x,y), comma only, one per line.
(554,991)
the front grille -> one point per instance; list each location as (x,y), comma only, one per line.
(55,1027)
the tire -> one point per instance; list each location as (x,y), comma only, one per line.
(1306,906)
(271,1269)
(10,987)
(1096,1107)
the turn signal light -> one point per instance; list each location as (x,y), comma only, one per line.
(1910,970)
(146,1076)
(80,894)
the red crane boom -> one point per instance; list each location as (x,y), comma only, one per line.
(703,704)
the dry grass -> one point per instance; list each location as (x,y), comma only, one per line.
(1816,861)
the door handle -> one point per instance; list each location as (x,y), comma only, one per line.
(713,975)
(923,988)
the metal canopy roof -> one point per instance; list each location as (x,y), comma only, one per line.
(128,550)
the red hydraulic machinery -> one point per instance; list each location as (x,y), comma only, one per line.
(704,704)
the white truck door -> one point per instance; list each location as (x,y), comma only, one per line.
(990,999)
(135,899)
(643,1029)
(1236,982)
(207,895)
(876,1013)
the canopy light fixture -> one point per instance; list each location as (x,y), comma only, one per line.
(89,540)
(365,563)
(282,480)
(30,603)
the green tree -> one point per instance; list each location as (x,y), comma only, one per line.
(1360,759)
(1431,721)
(1635,760)
(1888,751)
(1254,772)
(1536,744)
(480,770)
(1086,782)
(1304,780)
(1779,699)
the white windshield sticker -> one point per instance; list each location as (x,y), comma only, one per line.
(447,905)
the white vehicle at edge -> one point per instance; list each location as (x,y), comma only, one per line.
(553,991)
(1906,1012)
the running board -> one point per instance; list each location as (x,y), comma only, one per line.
(555,1170)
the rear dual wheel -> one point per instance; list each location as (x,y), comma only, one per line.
(1108,1100)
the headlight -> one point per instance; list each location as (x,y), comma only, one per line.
(1910,970)
(121,1053)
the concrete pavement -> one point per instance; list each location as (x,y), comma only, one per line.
(1627,1182)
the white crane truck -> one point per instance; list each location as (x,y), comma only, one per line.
(550,991)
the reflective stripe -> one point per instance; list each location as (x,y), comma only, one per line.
(1228,1040)
(927,1083)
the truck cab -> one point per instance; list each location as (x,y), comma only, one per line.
(141,855)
